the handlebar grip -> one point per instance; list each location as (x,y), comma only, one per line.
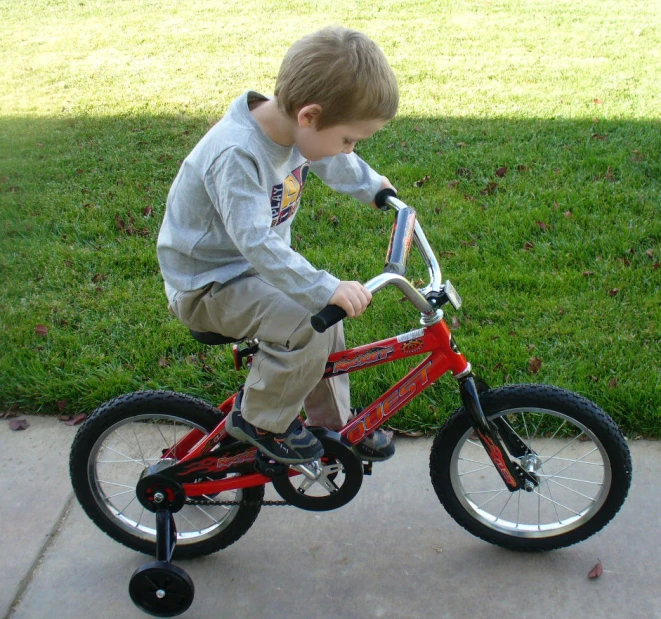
(327,317)
(381,197)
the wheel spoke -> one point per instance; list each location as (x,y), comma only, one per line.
(127,505)
(207,514)
(492,498)
(585,496)
(113,483)
(500,513)
(580,481)
(137,440)
(577,461)
(569,509)
(482,468)
(128,458)
(464,459)
(112,496)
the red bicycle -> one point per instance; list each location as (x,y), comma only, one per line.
(528,467)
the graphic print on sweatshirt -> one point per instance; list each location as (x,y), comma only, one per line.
(286,197)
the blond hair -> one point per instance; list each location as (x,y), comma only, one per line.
(341,70)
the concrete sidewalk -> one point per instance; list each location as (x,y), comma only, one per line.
(391,552)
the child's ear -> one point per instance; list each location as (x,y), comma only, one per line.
(308,115)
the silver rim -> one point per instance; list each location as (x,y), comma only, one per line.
(118,458)
(571,464)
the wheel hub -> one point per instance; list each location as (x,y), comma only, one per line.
(531,463)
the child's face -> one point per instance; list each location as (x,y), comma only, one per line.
(316,145)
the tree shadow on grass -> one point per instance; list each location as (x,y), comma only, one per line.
(549,228)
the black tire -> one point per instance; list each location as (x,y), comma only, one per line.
(161,589)
(145,418)
(593,472)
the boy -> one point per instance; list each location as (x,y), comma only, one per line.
(224,247)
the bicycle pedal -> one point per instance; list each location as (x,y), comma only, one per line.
(367,468)
(269,467)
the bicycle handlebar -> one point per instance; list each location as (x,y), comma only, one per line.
(406,229)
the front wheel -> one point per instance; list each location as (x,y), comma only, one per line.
(577,453)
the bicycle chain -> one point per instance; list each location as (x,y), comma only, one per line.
(233,503)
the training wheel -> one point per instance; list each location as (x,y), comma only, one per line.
(161,589)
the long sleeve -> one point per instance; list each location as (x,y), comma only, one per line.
(350,175)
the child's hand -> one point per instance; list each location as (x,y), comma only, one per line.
(385,184)
(352,297)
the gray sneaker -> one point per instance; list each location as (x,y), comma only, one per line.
(377,446)
(296,445)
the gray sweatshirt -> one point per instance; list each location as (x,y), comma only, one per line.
(230,210)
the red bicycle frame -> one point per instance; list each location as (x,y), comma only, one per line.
(435,340)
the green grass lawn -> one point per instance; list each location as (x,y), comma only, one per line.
(537,125)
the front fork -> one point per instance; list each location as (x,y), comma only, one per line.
(492,435)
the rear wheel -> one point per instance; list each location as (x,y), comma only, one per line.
(127,435)
(578,454)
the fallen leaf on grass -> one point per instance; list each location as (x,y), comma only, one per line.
(422,181)
(612,383)
(528,246)
(534,365)
(41,330)
(490,189)
(596,571)
(501,172)
(454,323)
(542,226)
(18,424)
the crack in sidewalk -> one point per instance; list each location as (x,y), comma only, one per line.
(29,576)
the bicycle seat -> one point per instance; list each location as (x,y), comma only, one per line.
(212,339)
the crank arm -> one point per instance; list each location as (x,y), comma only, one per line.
(514,477)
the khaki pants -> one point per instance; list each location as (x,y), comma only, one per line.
(287,371)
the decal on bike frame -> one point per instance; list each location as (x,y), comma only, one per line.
(213,465)
(362,359)
(391,404)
